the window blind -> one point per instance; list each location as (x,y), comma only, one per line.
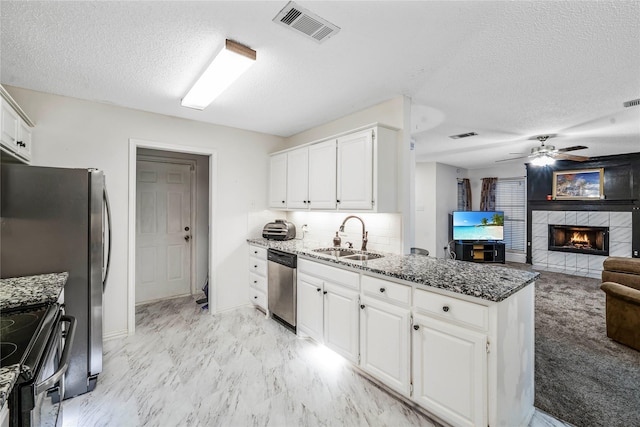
(511,199)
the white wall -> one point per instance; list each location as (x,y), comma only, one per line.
(75,133)
(436,196)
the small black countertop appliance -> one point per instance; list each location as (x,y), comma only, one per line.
(280,229)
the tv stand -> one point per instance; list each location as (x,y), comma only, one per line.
(480,252)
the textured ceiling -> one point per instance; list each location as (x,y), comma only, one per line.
(506,70)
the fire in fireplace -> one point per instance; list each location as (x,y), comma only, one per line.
(580,239)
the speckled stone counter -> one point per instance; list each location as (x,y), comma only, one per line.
(488,282)
(29,290)
(8,376)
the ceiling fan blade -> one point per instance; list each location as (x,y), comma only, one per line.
(513,158)
(571,157)
(574,148)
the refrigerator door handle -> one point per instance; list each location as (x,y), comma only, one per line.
(108,211)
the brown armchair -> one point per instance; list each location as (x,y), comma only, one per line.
(621,283)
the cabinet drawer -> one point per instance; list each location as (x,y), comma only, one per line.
(258,282)
(453,309)
(258,298)
(258,252)
(330,274)
(386,291)
(258,266)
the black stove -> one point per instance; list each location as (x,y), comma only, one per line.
(35,338)
(19,331)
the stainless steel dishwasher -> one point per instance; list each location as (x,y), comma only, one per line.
(282,287)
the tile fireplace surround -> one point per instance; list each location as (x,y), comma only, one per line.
(619,224)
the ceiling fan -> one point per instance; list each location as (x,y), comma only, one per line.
(547,154)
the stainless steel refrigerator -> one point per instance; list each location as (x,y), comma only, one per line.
(55,220)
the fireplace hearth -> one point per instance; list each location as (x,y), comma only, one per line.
(579,239)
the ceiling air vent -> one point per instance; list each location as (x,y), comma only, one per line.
(632,103)
(463,135)
(305,22)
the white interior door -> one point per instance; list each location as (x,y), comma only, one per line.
(163,230)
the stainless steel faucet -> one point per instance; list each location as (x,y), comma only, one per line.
(364,233)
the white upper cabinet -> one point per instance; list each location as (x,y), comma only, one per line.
(355,171)
(15,133)
(278,181)
(298,178)
(322,175)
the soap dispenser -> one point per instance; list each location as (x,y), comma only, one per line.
(337,241)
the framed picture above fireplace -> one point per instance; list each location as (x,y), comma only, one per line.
(581,184)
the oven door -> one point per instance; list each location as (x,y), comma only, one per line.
(40,401)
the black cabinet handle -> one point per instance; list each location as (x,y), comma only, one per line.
(304,201)
(362,306)
(256,297)
(416,327)
(255,266)
(445,308)
(283,202)
(325,292)
(382,290)
(337,201)
(319,289)
(255,281)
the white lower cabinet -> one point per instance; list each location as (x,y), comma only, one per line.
(258,289)
(384,343)
(328,312)
(341,320)
(450,371)
(310,307)
(468,362)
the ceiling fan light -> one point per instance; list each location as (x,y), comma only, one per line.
(225,69)
(543,160)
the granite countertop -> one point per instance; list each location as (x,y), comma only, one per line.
(486,281)
(30,290)
(8,377)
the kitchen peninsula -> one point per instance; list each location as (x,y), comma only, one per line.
(453,337)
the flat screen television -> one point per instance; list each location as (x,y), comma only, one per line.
(478,226)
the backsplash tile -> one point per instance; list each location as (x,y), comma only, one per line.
(385,230)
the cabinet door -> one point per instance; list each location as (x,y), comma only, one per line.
(355,171)
(384,343)
(24,140)
(278,181)
(322,175)
(450,371)
(341,314)
(298,178)
(310,306)
(9,126)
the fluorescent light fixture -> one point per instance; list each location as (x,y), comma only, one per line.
(226,67)
(543,160)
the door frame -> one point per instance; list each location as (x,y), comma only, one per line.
(134,144)
(193,209)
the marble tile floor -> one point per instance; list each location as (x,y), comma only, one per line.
(184,367)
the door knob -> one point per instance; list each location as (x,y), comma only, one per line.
(187,237)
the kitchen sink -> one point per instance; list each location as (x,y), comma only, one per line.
(336,252)
(349,254)
(361,257)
